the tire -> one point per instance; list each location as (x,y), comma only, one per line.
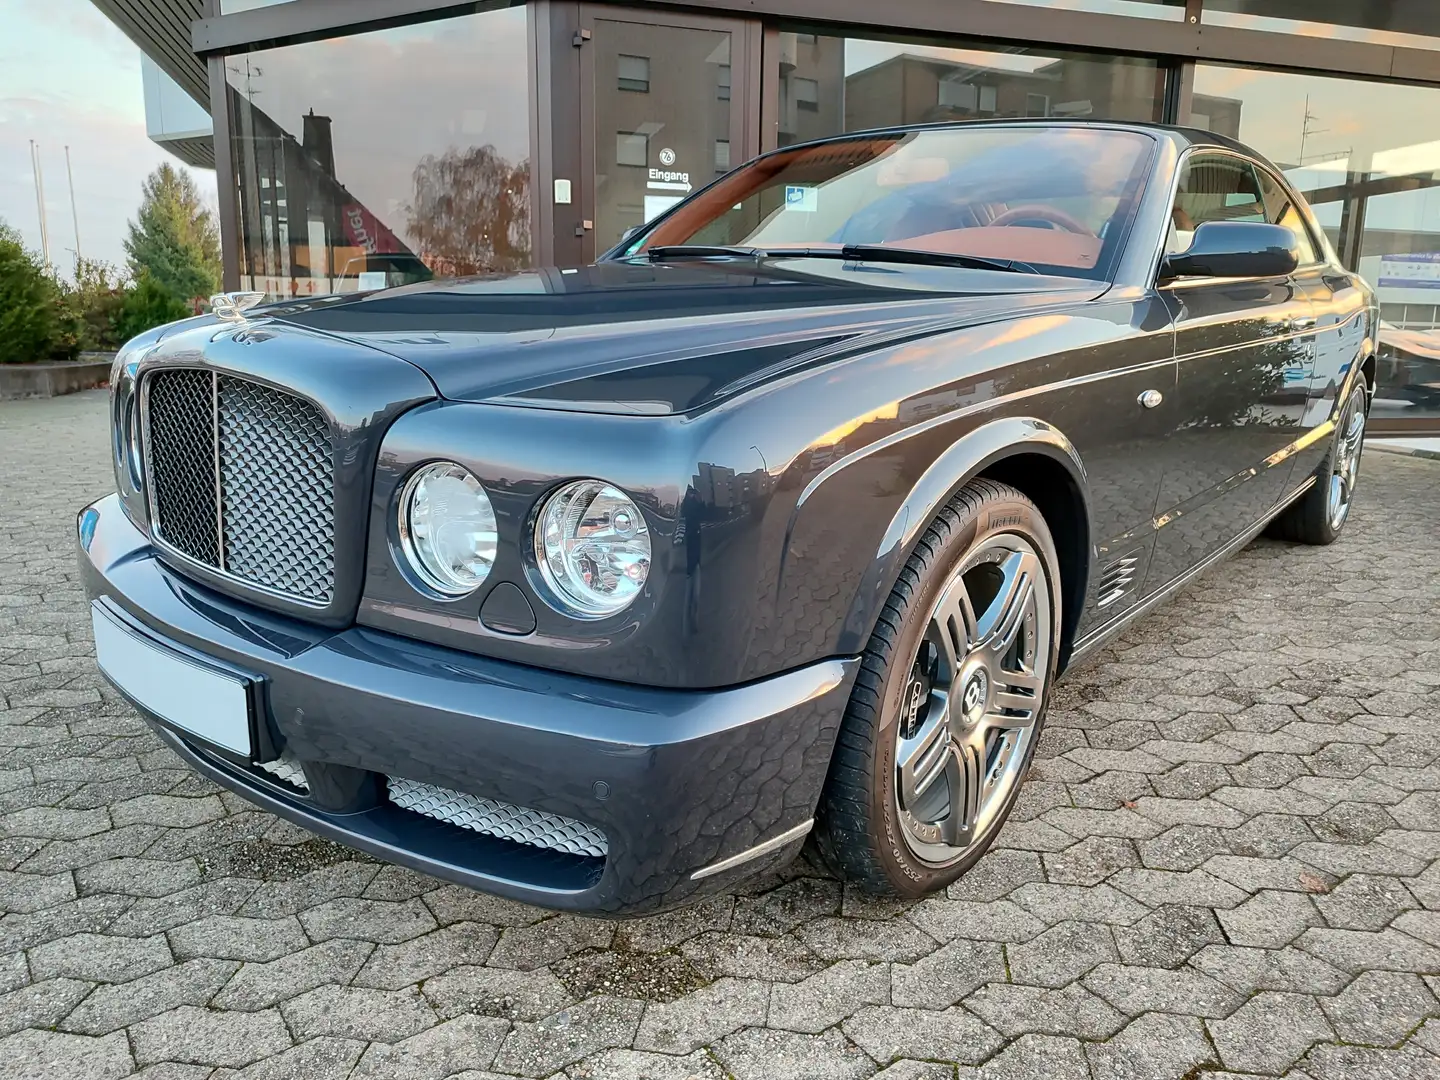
(1315,518)
(874,829)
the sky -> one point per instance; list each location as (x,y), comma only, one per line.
(68,76)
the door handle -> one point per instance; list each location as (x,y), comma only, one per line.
(1302,322)
(1150,398)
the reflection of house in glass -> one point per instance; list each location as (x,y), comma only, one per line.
(286,183)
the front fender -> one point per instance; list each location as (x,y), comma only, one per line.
(967,457)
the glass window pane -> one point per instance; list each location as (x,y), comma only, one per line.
(632,148)
(1280,209)
(1411,23)
(353,173)
(850,84)
(1173,10)
(634,73)
(1366,156)
(722,155)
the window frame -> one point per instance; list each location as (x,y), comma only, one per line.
(1321,246)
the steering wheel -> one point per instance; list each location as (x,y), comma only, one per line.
(1018,215)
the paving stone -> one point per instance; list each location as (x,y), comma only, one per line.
(945,976)
(138,877)
(1061,955)
(887,1033)
(1090,861)
(319,1059)
(1270,919)
(100,957)
(276,899)
(167,810)
(1033,1056)
(1380,1008)
(1135,990)
(530,947)
(998,874)
(1194,887)
(1015,1010)
(787,907)
(850,939)
(52,823)
(391,967)
(467,1042)
(28,893)
(1331,1062)
(1356,950)
(35,1054)
(1168,936)
(260,986)
(670,929)
(233,937)
(1154,1046)
(1252,874)
(1424,925)
(1365,902)
(706,1015)
(502,992)
(358,1013)
(744,956)
(199,1037)
(14,971)
(1269,1032)
(999,920)
(635,1065)
(40,1004)
(111,1007)
(541,1048)
(381,921)
(1248,970)
(761,1054)
(222,896)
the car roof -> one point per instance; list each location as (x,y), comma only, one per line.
(1182,136)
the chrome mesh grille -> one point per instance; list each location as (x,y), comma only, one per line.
(287,769)
(516,823)
(242,479)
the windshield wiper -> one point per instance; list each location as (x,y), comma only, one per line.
(914,256)
(699,251)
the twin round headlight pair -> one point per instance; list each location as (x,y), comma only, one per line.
(591,545)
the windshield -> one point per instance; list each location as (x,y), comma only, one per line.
(1056,198)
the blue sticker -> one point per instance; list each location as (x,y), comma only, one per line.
(802,197)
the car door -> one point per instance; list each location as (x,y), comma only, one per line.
(1244,358)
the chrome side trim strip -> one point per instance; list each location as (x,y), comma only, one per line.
(775,843)
(1104,633)
(219,485)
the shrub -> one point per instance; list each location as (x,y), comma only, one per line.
(145,305)
(94,302)
(31,322)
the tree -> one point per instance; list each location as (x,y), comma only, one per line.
(471,212)
(30,324)
(174,240)
(145,305)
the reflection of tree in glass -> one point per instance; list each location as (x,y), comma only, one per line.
(471,212)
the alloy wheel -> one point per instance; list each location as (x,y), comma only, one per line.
(975,691)
(1345,464)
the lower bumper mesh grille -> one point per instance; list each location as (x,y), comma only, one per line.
(515,823)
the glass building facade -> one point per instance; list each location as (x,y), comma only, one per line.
(415,140)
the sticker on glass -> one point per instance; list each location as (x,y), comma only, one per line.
(802,197)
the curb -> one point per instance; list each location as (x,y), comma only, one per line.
(1412,451)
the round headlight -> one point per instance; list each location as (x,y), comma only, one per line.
(447,528)
(593,548)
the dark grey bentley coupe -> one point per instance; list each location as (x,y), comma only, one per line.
(604,588)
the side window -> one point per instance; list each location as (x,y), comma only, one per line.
(1213,188)
(1280,209)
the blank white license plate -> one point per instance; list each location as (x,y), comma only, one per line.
(185,694)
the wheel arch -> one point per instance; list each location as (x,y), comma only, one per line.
(1030,455)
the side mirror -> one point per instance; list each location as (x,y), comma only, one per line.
(1234,249)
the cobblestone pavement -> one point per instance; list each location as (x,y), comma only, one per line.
(1226,862)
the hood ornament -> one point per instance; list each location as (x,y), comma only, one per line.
(231,306)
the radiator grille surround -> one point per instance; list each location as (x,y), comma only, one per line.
(515,823)
(242,480)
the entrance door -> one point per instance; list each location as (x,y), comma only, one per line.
(666,107)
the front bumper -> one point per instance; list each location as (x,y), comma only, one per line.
(679,781)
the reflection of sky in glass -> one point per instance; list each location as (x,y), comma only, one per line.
(1214,16)
(861,54)
(395,96)
(1150,9)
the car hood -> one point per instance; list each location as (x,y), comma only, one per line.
(659,338)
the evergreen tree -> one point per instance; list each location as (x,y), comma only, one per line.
(174,240)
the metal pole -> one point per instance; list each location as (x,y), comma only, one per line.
(74,214)
(40,199)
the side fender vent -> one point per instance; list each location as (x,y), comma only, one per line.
(1116,579)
